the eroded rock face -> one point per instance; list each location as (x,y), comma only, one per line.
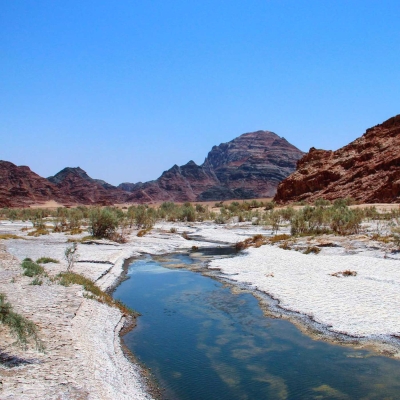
(249,166)
(79,186)
(21,187)
(367,169)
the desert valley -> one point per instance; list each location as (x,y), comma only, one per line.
(313,238)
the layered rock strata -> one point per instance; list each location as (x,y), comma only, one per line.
(367,169)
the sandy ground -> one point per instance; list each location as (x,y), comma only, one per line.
(83,358)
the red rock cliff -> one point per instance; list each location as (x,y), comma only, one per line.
(367,169)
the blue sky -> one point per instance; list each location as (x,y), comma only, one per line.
(126,89)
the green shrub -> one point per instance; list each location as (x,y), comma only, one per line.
(102,223)
(31,269)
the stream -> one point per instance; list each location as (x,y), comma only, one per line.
(203,341)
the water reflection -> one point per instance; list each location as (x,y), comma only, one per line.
(204,342)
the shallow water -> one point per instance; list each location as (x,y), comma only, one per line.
(201,341)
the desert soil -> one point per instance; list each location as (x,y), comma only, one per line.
(83,357)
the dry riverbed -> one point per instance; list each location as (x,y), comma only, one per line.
(83,357)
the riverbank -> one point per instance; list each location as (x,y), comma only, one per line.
(84,357)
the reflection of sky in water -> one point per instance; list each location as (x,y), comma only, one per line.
(203,342)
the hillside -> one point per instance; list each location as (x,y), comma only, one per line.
(367,169)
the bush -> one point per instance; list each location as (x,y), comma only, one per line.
(102,223)
(31,269)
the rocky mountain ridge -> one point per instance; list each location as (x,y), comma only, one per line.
(367,169)
(250,166)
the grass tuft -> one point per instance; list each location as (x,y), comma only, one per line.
(37,281)
(23,329)
(46,260)
(31,269)
(94,292)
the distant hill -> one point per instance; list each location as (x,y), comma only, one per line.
(250,166)
(367,169)
(21,187)
(79,186)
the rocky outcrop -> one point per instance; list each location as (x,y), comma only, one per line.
(367,169)
(79,186)
(21,187)
(250,166)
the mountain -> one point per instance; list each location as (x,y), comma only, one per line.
(250,166)
(21,187)
(78,185)
(367,169)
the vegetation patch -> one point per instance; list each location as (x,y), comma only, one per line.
(93,291)
(46,260)
(31,269)
(24,330)
(255,241)
(38,232)
(285,245)
(143,232)
(312,249)
(7,236)
(278,238)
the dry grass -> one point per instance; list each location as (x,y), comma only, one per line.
(7,236)
(278,238)
(312,249)
(38,232)
(345,273)
(143,232)
(255,241)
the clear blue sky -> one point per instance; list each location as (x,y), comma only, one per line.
(126,89)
